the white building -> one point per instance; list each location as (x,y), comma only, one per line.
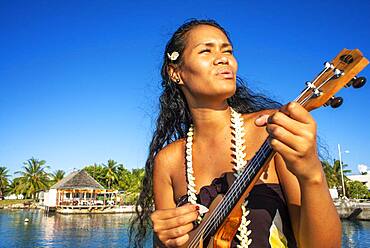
(14,197)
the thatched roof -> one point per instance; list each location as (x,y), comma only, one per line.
(78,180)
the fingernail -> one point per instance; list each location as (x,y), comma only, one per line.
(259,120)
(197,207)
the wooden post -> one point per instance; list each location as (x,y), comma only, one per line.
(57,198)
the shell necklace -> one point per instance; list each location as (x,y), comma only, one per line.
(238,147)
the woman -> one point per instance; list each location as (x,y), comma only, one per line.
(193,144)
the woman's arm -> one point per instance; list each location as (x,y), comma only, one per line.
(171,224)
(314,217)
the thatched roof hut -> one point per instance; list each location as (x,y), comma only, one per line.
(78,189)
(78,180)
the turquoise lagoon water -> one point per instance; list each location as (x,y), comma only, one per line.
(104,230)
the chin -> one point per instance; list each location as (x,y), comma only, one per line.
(229,90)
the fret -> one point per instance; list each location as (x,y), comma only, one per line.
(340,72)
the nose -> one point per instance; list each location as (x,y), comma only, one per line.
(221,59)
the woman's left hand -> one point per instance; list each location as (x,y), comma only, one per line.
(292,133)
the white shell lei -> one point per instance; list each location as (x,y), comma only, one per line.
(237,144)
(238,147)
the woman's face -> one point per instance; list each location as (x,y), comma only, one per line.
(208,71)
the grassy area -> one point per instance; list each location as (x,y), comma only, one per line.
(10,202)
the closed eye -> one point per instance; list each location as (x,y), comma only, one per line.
(230,51)
(205,51)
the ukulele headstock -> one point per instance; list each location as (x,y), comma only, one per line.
(340,72)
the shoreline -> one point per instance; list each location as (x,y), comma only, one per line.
(347,209)
(353,209)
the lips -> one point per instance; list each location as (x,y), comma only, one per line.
(225,73)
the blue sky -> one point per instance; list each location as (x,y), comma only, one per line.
(79,80)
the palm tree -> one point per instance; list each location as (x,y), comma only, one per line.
(4,182)
(33,177)
(111,175)
(333,173)
(337,172)
(57,176)
(98,172)
(331,178)
(16,187)
(125,176)
(137,179)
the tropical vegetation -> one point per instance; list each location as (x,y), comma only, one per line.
(353,189)
(356,190)
(4,180)
(333,173)
(115,176)
(34,177)
(56,176)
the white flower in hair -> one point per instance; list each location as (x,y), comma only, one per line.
(173,56)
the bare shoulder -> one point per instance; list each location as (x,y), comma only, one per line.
(169,158)
(170,153)
(166,164)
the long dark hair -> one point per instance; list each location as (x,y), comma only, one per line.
(174,120)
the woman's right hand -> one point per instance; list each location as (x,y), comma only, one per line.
(173,225)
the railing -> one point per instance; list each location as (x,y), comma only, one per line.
(87,203)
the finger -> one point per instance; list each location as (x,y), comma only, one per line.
(167,224)
(261,120)
(178,241)
(297,112)
(285,151)
(176,232)
(163,214)
(280,133)
(287,122)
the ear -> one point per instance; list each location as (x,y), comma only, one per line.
(174,74)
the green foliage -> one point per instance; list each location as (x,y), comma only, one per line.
(4,181)
(130,198)
(333,174)
(15,187)
(357,190)
(116,176)
(354,189)
(97,172)
(56,176)
(11,202)
(111,175)
(33,178)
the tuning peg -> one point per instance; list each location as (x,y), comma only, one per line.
(334,102)
(356,82)
(359,82)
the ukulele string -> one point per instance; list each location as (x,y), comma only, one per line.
(336,73)
(327,67)
(231,192)
(307,98)
(227,202)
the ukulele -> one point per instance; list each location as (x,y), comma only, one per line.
(221,223)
